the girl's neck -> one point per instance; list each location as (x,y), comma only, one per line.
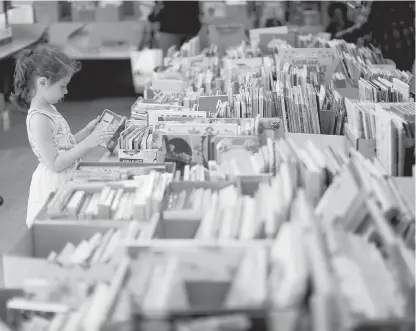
(41,104)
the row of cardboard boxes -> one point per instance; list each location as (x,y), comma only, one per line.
(30,256)
(367,147)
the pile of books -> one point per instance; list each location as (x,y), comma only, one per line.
(333,104)
(298,109)
(291,76)
(372,205)
(101,248)
(392,126)
(395,138)
(81,299)
(113,201)
(378,90)
(367,233)
(222,219)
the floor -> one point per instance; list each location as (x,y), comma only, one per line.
(17,161)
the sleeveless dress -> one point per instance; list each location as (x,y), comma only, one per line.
(44,181)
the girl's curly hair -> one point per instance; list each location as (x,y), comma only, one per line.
(42,61)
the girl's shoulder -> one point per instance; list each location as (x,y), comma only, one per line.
(54,118)
(51,110)
(48,113)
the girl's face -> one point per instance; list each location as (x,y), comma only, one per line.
(55,92)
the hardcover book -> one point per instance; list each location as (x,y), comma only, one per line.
(185,149)
(110,121)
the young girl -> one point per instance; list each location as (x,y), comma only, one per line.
(40,81)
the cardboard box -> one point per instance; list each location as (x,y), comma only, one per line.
(367,147)
(339,83)
(42,238)
(27,258)
(326,119)
(170,166)
(173,187)
(103,211)
(109,12)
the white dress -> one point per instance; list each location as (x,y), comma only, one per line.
(44,181)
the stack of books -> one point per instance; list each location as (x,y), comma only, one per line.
(181,281)
(298,109)
(331,102)
(392,126)
(101,248)
(372,206)
(395,138)
(378,90)
(113,201)
(82,299)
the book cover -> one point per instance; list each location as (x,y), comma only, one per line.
(238,148)
(185,149)
(110,121)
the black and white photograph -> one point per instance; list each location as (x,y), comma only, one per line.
(225,165)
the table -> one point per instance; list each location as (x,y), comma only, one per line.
(86,43)
(104,51)
(109,157)
(24,35)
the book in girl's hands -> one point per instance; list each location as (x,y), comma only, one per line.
(110,121)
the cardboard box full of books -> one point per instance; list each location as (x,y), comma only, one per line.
(42,238)
(81,202)
(182,220)
(207,281)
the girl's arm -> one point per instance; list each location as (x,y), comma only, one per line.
(81,135)
(41,134)
(85,132)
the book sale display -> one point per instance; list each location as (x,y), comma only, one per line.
(269,188)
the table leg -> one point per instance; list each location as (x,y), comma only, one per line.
(4,91)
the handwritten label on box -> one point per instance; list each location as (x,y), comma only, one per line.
(323,57)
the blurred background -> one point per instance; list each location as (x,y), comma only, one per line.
(100,33)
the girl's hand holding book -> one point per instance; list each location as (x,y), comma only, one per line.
(98,137)
(91,125)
